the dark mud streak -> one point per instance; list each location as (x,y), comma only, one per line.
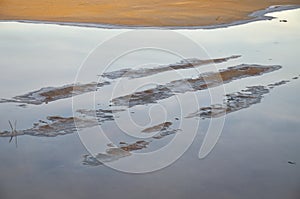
(158,127)
(114,153)
(233,102)
(50,94)
(202,82)
(236,101)
(278,83)
(102,115)
(111,154)
(124,149)
(138,145)
(57,125)
(145,72)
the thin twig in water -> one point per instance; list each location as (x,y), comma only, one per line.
(13,132)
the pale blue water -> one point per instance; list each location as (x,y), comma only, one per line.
(250,159)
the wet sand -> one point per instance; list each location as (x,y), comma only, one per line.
(136,12)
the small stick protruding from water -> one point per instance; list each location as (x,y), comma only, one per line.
(13,132)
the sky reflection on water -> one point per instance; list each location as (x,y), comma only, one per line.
(249,161)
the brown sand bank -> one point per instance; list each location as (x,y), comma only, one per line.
(136,12)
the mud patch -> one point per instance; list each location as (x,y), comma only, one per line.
(55,126)
(111,154)
(236,101)
(202,82)
(114,153)
(102,115)
(159,127)
(138,145)
(278,83)
(49,94)
(233,102)
(144,72)
(124,149)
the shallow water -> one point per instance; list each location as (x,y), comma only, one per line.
(250,159)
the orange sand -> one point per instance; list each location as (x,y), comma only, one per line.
(136,12)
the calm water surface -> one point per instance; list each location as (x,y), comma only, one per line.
(250,159)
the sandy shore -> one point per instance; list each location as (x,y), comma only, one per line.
(136,12)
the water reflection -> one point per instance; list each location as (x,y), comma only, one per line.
(251,159)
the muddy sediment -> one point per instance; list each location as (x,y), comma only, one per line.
(111,154)
(236,101)
(157,127)
(114,153)
(57,125)
(145,72)
(54,126)
(203,81)
(233,102)
(50,94)
(124,149)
